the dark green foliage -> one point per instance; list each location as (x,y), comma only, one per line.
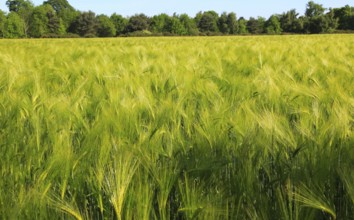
(14,27)
(175,26)
(60,5)
(39,21)
(345,16)
(314,10)
(208,22)
(272,25)
(232,23)
(318,22)
(24,9)
(242,24)
(332,21)
(64,18)
(2,23)
(223,24)
(227,23)
(64,11)
(158,23)
(138,22)
(119,23)
(288,21)
(256,26)
(17,5)
(321,24)
(106,27)
(44,21)
(55,24)
(85,24)
(189,24)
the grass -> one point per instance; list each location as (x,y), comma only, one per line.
(257,127)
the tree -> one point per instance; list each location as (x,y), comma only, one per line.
(345,17)
(208,22)
(38,25)
(189,24)
(85,24)
(331,21)
(138,22)
(321,24)
(24,9)
(227,23)
(198,17)
(299,25)
(242,26)
(44,21)
(105,27)
(17,5)
(14,26)
(288,21)
(317,21)
(65,12)
(223,24)
(158,23)
(55,24)
(2,23)
(314,10)
(119,22)
(256,26)
(272,25)
(174,26)
(351,22)
(232,23)
(60,5)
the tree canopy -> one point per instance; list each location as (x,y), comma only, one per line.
(57,18)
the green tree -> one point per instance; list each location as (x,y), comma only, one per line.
(317,21)
(232,23)
(55,24)
(85,24)
(351,20)
(65,12)
(189,24)
(138,22)
(175,26)
(60,5)
(223,23)
(332,22)
(299,25)
(209,22)
(2,23)
(43,21)
(158,23)
(14,26)
(345,17)
(198,17)
(321,24)
(119,22)
(314,10)
(256,26)
(242,26)
(272,25)
(24,9)
(288,21)
(17,5)
(105,27)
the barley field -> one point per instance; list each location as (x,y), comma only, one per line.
(255,127)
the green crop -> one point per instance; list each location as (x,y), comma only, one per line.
(177,128)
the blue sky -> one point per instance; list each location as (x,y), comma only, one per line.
(246,9)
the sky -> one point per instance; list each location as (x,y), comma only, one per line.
(246,9)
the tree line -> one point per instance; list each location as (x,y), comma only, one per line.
(57,18)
